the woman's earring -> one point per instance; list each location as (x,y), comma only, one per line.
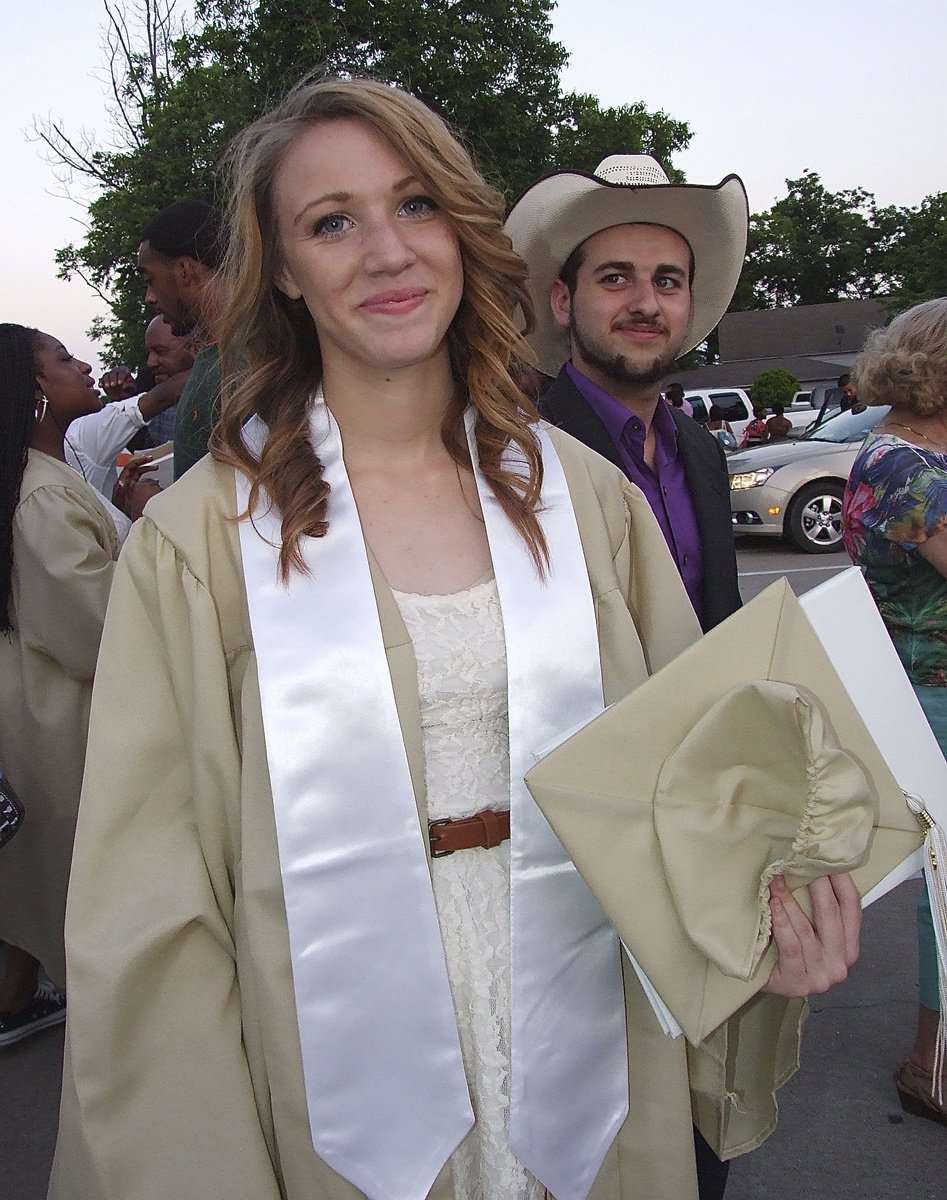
(42,404)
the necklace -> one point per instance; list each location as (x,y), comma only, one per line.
(911,429)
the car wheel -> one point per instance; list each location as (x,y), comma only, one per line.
(814,520)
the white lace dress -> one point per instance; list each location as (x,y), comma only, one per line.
(461,657)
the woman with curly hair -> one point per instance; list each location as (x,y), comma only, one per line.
(58,547)
(894,522)
(343,953)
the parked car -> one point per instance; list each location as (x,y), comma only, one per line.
(794,489)
(737,408)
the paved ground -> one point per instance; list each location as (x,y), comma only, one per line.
(763,560)
(29,1086)
(841,1135)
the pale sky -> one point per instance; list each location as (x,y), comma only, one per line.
(854,90)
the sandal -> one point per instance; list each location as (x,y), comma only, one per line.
(916,1093)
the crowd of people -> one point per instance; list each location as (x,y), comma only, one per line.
(315,943)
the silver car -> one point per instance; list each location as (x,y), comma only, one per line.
(794,489)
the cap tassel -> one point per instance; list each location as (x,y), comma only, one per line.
(935,875)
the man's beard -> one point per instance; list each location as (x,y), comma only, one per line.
(617,367)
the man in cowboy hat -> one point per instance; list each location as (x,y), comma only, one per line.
(627,272)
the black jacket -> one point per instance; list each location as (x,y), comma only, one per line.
(705,469)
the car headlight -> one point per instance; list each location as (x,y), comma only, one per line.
(750,479)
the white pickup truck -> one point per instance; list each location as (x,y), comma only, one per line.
(738,408)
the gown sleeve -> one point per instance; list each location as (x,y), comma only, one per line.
(157,1099)
(62,574)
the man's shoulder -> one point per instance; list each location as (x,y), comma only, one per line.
(205,374)
(560,398)
(689,428)
(694,440)
(196,411)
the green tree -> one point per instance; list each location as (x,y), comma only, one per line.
(814,246)
(492,69)
(587,133)
(774,387)
(917,257)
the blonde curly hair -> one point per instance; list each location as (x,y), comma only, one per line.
(270,346)
(905,364)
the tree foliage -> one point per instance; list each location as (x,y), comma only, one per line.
(774,387)
(812,247)
(815,246)
(492,69)
(917,258)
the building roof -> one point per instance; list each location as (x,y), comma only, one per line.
(807,330)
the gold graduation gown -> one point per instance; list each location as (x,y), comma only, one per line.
(64,553)
(183,1074)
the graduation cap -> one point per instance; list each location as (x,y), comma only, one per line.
(744,758)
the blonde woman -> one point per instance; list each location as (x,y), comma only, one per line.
(361,616)
(894,522)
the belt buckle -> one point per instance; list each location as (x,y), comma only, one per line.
(432,839)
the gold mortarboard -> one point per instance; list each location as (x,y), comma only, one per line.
(742,759)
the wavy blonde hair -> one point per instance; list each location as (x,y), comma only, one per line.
(269,343)
(906,363)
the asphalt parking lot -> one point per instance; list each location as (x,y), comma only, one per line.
(763,560)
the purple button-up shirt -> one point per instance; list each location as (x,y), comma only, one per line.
(665,486)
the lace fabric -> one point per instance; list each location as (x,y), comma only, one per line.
(461,658)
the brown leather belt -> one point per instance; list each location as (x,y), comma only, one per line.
(486,828)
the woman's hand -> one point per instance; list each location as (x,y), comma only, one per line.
(813,956)
(131,492)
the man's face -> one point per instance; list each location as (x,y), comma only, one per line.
(629,312)
(162,279)
(167,354)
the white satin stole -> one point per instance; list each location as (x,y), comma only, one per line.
(385,1087)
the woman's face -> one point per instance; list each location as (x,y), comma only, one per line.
(377,263)
(64,381)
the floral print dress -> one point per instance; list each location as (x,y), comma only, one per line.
(895,499)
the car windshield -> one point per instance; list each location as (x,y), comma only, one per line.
(845,427)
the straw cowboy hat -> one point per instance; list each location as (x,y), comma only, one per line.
(562,210)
